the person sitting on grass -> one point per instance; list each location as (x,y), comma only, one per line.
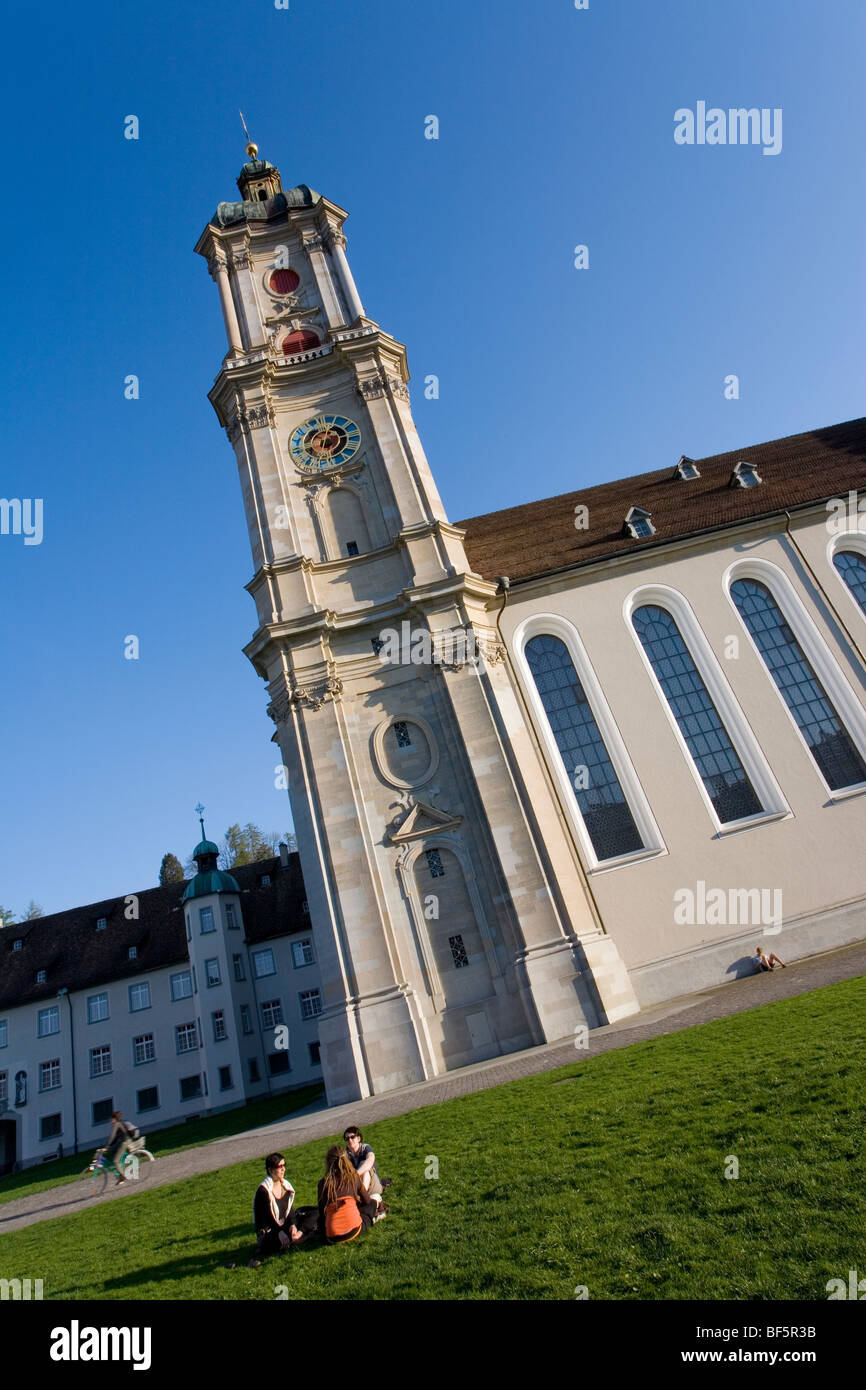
(276,1228)
(766,962)
(363,1160)
(344,1211)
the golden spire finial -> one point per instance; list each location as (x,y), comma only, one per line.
(252,150)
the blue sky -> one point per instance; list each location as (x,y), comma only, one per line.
(556,129)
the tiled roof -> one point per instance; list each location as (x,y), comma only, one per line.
(74,955)
(541,536)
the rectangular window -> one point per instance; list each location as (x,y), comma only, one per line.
(181,985)
(253,1067)
(147,1099)
(190,1087)
(226,1083)
(265,880)
(4,1032)
(246,1019)
(231,919)
(263,963)
(133,953)
(143,1049)
(238,963)
(401,730)
(272,1013)
(48,1022)
(101,923)
(302,952)
(278,1063)
(40,977)
(100,1060)
(219,1026)
(315,1053)
(434,863)
(351,548)
(206,921)
(102,1111)
(139,997)
(4,1089)
(458,951)
(97,1008)
(311,1003)
(50,1127)
(49,1075)
(186,1037)
(212,972)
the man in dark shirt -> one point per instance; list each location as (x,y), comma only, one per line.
(363,1160)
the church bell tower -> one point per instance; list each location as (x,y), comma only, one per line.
(438,935)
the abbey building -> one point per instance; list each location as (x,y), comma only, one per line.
(547,766)
(658,681)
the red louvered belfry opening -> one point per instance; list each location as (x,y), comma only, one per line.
(300,341)
(284,281)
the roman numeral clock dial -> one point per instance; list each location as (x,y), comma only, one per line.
(323,442)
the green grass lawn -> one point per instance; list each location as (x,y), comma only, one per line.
(188,1135)
(608,1173)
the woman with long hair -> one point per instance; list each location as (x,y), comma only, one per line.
(344,1210)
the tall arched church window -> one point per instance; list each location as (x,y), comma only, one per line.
(826,737)
(851,567)
(727,784)
(606,814)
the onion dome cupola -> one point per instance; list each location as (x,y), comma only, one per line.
(209,878)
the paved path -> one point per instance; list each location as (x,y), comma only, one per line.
(319,1123)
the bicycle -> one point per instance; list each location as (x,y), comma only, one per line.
(134,1166)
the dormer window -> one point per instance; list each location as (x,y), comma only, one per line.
(133,952)
(263,195)
(265,880)
(40,977)
(745,475)
(101,923)
(686,469)
(17,945)
(638,524)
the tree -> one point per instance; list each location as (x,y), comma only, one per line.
(33,911)
(247,845)
(170,870)
(7,917)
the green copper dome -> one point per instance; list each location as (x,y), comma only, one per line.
(205,847)
(211,881)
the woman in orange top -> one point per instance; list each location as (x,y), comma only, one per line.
(343,1207)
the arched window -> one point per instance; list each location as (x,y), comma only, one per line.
(851,566)
(826,737)
(302,340)
(720,769)
(606,813)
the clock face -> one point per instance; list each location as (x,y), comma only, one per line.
(325,441)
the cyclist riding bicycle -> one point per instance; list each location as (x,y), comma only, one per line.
(119,1139)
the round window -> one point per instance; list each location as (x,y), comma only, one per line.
(284,281)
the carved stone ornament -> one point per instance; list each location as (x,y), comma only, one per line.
(382,385)
(336,238)
(257,417)
(462,646)
(241,259)
(314,696)
(314,243)
(216,264)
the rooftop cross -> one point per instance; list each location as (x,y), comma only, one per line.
(199,810)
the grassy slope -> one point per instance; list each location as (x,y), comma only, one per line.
(608,1173)
(189,1135)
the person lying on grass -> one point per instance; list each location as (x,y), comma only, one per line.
(277,1228)
(363,1160)
(344,1208)
(767,962)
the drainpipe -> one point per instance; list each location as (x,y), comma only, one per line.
(64,993)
